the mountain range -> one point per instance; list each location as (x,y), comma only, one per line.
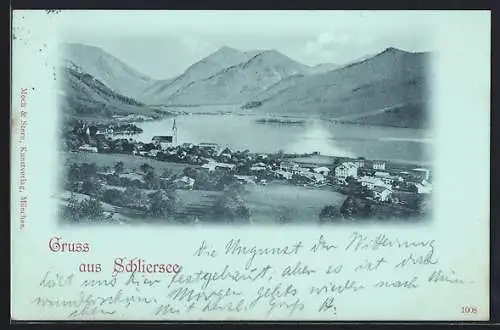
(109,70)
(86,97)
(388,88)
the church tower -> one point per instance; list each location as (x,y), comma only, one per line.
(174,133)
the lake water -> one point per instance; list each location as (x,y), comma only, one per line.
(242,132)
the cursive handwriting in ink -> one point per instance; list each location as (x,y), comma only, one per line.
(328,304)
(234,247)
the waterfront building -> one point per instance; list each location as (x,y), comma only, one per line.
(345,170)
(378,165)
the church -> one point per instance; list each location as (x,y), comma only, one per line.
(166,141)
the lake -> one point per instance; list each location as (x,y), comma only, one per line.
(243,132)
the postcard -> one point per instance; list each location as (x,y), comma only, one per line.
(250,165)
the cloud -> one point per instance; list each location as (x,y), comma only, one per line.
(344,45)
(332,38)
(196,47)
(327,47)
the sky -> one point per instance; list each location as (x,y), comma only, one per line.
(163,44)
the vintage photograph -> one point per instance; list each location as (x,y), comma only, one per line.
(254,128)
(270,166)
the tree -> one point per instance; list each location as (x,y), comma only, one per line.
(91,187)
(135,198)
(329,213)
(151,179)
(88,170)
(73,208)
(89,210)
(201,180)
(190,172)
(336,162)
(350,209)
(119,167)
(113,196)
(160,204)
(350,180)
(73,141)
(369,210)
(146,168)
(225,181)
(166,173)
(230,207)
(243,168)
(74,173)
(128,146)
(423,205)
(285,215)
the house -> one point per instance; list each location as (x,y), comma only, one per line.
(381,174)
(397,178)
(371,182)
(91,130)
(105,173)
(132,176)
(384,176)
(289,167)
(378,165)
(163,141)
(322,170)
(104,147)
(208,146)
(318,178)
(224,152)
(184,183)
(312,176)
(360,162)
(139,146)
(424,187)
(345,170)
(382,194)
(88,148)
(100,137)
(246,178)
(283,174)
(224,166)
(424,173)
(153,152)
(210,166)
(257,168)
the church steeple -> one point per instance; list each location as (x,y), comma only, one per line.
(174,133)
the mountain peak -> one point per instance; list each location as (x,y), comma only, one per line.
(227,49)
(393,50)
(272,54)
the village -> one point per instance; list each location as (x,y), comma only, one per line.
(380,181)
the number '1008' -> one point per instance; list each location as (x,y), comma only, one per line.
(469,310)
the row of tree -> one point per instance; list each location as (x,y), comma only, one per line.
(161,203)
(355,209)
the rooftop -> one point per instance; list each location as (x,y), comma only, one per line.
(381,189)
(163,138)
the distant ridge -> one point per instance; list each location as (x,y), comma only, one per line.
(112,72)
(267,81)
(388,78)
(82,95)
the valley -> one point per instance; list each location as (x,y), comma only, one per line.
(386,89)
